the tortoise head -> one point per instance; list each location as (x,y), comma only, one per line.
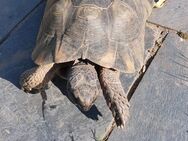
(83,85)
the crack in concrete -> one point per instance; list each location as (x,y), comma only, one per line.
(148,61)
(109,130)
(181,34)
(153,52)
(44,98)
(20,23)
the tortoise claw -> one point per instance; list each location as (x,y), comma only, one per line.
(159,4)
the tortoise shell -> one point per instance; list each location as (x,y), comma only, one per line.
(109,33)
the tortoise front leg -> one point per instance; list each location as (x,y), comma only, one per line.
(36,78)
(114,95)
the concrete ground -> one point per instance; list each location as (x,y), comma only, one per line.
(158,97)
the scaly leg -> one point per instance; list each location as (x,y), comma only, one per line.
(37,78)
(114,95)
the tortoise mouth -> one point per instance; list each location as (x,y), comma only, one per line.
(84,106)
(81,104)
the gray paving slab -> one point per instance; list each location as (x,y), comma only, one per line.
(159,106)
(63,120)
(20,117)
(174,15)
(21,114)
(12,11)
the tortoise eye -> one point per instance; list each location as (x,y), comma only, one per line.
(88,13)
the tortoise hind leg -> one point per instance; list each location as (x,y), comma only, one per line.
(36,78)
(114,95)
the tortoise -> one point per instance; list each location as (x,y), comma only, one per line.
(89,43)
